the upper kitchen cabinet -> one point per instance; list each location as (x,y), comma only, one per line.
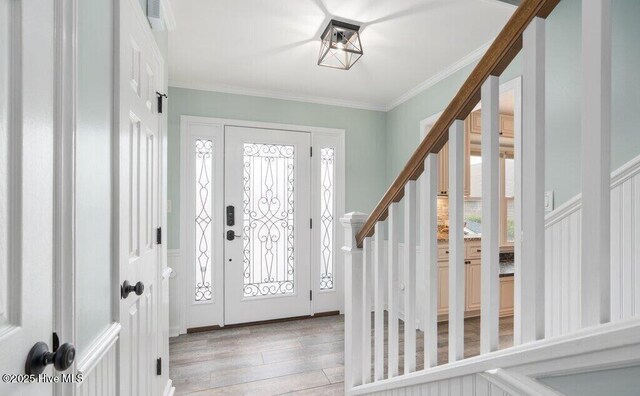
(474,124)
(443,166)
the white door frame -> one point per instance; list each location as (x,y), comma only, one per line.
(64,283)
(319,135)
(65,106)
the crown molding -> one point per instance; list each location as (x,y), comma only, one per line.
(166,10)
(276,95)
(460,64)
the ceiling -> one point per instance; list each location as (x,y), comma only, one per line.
(270,47)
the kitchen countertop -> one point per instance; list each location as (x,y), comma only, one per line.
(466,238)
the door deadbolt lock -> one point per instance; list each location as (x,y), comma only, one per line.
(231,216)
(231,235)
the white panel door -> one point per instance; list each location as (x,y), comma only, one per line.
(26,187)
(267,263)
(139,193)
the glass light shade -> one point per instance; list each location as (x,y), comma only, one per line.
(340,47)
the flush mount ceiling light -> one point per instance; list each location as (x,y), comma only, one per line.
(340,47)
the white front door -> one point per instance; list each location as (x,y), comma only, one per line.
(139,202)
(26,188)
(267,248)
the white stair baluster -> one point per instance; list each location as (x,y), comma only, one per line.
(367,294)
(379,280)
(529,270)
(456,241)
(392,265)
(596,162)
(410,231)
(429,242)
(490,257)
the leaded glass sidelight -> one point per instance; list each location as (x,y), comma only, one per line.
(327,192)
(203,206)
(268,219)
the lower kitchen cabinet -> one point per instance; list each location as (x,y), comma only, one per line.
(473,294)
(473,280)
(506,296)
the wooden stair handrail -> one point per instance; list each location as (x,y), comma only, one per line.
(499,55)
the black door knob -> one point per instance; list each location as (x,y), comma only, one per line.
(127,288)
(39,358)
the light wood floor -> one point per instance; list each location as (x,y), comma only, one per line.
(301,357)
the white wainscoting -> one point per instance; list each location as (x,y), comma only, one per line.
(98,365)
(563,238)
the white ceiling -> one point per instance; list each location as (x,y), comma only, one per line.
(270,47)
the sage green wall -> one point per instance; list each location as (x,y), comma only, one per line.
(564,82)
(365,139)
(620,382)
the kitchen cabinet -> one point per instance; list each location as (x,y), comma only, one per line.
(443,288)
(443,167)
(473,280)
(443,170)
(505,125)
(506,295)
(473,283)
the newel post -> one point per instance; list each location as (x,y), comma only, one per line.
(353,304)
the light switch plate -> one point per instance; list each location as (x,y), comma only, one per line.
(548,201)
(168,206)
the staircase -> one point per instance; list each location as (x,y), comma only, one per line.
(380,360)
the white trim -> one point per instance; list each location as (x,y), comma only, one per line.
(166,11)
(236,90)
(64,281)
(472,57)
(96,351)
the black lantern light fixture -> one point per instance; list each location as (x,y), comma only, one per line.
(340,47)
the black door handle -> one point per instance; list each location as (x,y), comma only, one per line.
(39,358)
(231,235)
(127,288)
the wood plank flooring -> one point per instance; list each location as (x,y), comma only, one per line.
(301,357)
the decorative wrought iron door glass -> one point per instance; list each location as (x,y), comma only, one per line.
(268,219)
(204,195)
(327,158)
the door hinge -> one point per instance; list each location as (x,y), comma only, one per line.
(310,295)
(310,151)
(160,96)
(159,235)
(159,366)
(310,223)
